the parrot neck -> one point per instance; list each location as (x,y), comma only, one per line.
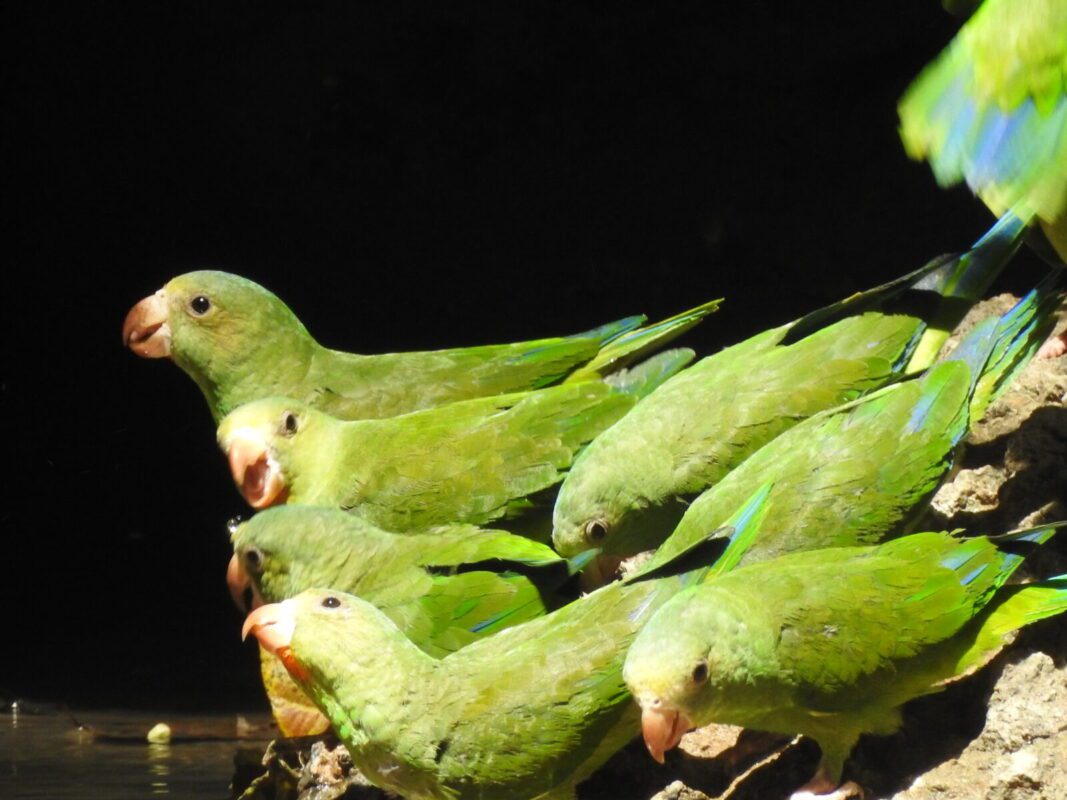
(360,674)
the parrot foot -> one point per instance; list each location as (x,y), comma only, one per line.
(1054,347)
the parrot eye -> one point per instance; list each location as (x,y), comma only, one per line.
(289,423)
(331,602)
(596,530)
(200,305)
(254,560)
(700,672)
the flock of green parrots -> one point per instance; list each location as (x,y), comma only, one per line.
(427,522)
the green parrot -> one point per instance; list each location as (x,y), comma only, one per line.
(632,485)
(860,473)
(473,461)
(240,343)
(526,713)
(830,643)
(992,110)
(444,589)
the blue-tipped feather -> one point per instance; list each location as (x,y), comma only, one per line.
(1018,335)
(721,550)
(969,276)
(613,330)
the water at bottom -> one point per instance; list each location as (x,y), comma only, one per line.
(49,756)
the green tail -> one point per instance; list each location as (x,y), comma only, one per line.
(961,281)
(975,555)
(612,330)
(941,293)
(1013,607)
(630,345)
(998,348)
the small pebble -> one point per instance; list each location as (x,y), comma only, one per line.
(160,733)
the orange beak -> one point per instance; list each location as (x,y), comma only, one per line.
(273,626)
(240,585)
(256,473)
(662,728)
(145,329)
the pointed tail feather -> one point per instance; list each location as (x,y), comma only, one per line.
(1020,334)
(631,345)
(941,292)
(1013,607)
(997,349)
(962,281)
(1003,554)
(1015,546)
(613,330)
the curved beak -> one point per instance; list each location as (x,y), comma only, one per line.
(273,626)
(662,728)
(145,329)
(257,475)
(241,587)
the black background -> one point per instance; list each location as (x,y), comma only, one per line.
(406,176)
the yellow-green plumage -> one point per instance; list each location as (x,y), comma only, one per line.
(858,474)
(526,713)
(247,344)
(829,643)
(632,485)
(474,461)
(444,589)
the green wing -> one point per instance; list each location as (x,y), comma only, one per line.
(557,690)
(851,623)
(847,476)
(634,481)
(555,684)
(444,588)
(701,424)
(477,463)
(387,385)
(858,473)
(360,387)
(633,345)
(992,109)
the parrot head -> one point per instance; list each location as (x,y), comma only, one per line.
(672,666)
(267,442)
(286,548)
(595,509)
(218,327)
(323,631)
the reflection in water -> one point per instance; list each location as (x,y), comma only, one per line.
(159,765)
(48,756)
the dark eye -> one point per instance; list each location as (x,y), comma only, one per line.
(200,305)
(289,424)
(331,602)
(253,560)
(700,672)
(596,530)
